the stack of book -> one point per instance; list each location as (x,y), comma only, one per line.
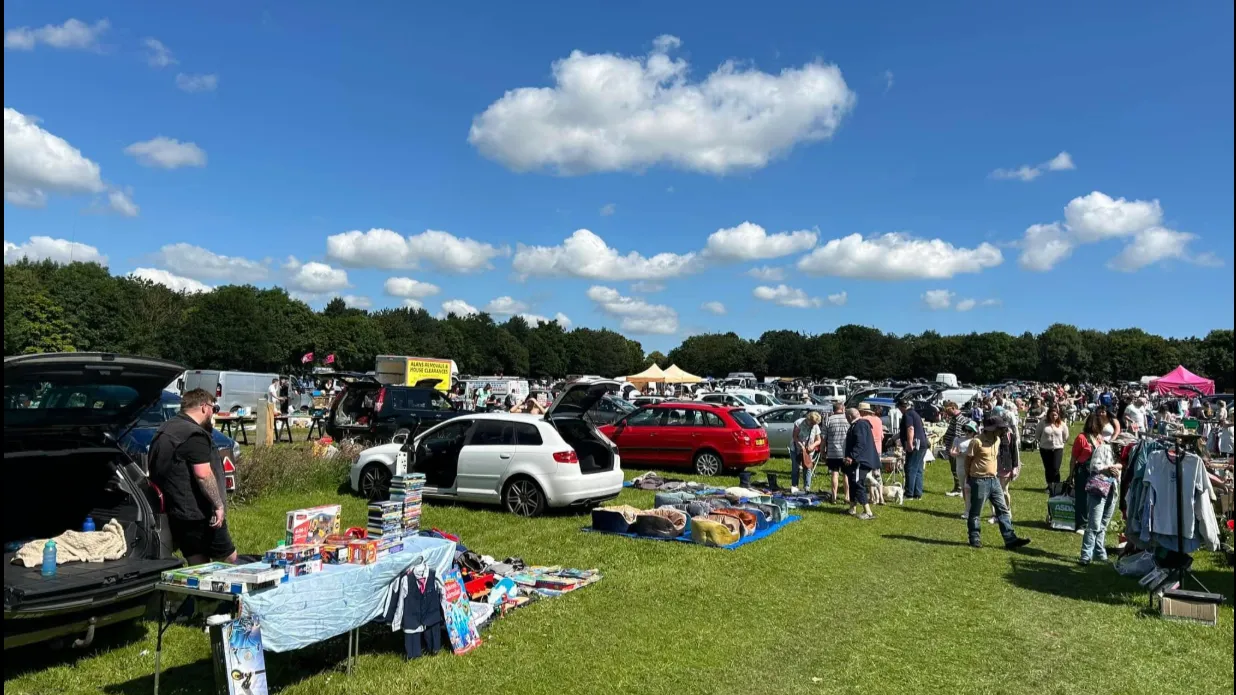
(406,489)
(385,526)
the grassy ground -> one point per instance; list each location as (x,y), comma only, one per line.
(829,604)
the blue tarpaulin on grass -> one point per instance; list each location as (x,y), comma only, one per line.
(686,536)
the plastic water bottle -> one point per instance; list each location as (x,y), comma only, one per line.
(88,524)
(49,559)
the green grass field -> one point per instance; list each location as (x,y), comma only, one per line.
(829,604)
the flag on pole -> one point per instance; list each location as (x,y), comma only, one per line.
(330,359)
(307,358)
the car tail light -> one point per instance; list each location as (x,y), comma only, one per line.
(218,390)
(566,456)
(229,477)
(377,406)
(742,437)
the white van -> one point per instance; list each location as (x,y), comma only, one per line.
(233,390)
(947,379)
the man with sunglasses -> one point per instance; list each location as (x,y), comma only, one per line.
(188,469)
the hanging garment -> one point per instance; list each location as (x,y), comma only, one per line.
(413,605)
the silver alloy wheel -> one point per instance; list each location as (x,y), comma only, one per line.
(373,482)
(523,498)
(708,463)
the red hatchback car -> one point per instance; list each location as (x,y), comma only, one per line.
(704,437)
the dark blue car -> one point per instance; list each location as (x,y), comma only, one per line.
(137,441)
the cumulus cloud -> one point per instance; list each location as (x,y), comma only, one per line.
(537,319)
(938,300)
(969,304)
(45,248)
(749,242)
(784,295)
(505,306)
(356,301)
(634,315)
(201,264)
(412,304)
(888,80)
(74,34)
(608,112)
(197,83)
(608,209)
(175,283)
(838,299)
(315,278)
(383,248)
(37,163)
(458,307)
(158,55)
(120,202)
(1097,217)
(714,308)
(409,289)
(167,153)
(1026,172)
(586,255)
(647,286)
(897,256)
(767,273)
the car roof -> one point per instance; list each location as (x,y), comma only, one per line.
(693,405)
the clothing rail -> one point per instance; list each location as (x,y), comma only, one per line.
(1177,458)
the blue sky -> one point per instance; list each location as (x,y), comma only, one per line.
(1033,163)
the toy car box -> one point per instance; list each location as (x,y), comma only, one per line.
(313,525)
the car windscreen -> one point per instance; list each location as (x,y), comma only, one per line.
(159,413)
(743,399)
(744,420)
(43,403)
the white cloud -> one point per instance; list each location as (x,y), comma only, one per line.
(120,202)
(383,248)
(171,281)
(45,248)
(1061,162)
(458,307)
(608,209)
(1097,216)
(966,304)
(537,319)
(897,256)
(356,301)
(167,153)
(197,83)
(608,112)
(634,315)
(1043,246)
(586,255)
(938,300)
(888,80)
(37,163)
(409,288)
(838,299)
(784,295)
(74,34)
(505,306)
(412,304)
(196,262)
(158,55)
(767,273)
(749,242)
(1151,246)
(714,308)
(315,278)
(647,287)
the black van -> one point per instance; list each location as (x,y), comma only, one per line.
(375,413)
(64,415)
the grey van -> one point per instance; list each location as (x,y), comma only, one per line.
(233,390)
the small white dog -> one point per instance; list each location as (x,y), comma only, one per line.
(894,493)
(879,493)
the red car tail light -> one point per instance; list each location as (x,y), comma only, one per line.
(566,456)
(742,437)
(377,406)
(218,390)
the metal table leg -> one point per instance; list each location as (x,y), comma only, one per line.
(159,640)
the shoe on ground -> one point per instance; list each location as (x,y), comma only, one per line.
(976,544)
(1080,532)
(953,493)
(991,520)
(793,489)
(965,516)
(1017,543)
(866,517)
(1083,562)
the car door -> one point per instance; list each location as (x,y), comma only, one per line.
(636,435)
(437,456)
(484,460)
(677,435)
(780,426)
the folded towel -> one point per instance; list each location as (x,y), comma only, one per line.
(78,546)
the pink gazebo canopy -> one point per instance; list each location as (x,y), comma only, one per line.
(1172,382)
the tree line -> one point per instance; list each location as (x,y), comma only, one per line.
(50,307)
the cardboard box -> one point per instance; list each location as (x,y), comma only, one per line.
(363,552)
(1197,606)
(313,525)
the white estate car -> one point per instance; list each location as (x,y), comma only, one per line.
(523,462)
(750,400)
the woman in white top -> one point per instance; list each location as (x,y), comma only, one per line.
(1052,435)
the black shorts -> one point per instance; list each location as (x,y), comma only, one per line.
(198,538)
(834,465)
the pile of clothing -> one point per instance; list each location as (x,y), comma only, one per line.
(718,518)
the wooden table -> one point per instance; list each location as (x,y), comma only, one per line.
(228,424)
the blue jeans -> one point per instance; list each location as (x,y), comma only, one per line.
(1099,512)
(914,473)
(981,490)
(796,465)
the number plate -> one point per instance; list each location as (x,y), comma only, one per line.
(759,442)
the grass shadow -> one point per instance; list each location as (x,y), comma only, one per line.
(930,512)
(1029,551)
(44,655)
(1097,583)
(925,541)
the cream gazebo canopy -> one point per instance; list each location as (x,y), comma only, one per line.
(649,375)
(675,375)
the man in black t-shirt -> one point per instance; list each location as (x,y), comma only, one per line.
(186,466)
